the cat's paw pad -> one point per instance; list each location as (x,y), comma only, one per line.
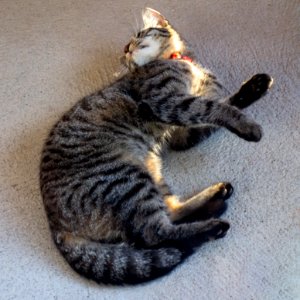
(252,90)
(259,84)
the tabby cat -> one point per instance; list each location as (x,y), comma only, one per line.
(111,214)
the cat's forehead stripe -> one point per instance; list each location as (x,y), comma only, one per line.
(161,31)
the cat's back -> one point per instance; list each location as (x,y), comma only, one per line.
(98,128)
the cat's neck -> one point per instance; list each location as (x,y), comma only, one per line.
(178,55)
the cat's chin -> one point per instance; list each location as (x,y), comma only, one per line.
(129,64)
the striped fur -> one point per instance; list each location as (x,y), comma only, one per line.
(110,212)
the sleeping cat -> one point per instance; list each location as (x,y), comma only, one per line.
(111,214)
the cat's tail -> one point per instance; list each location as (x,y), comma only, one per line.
(117,263)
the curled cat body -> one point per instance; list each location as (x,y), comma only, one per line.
(111,214)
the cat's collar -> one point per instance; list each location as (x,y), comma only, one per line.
(177,55)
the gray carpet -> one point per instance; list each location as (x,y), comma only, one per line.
(54,52)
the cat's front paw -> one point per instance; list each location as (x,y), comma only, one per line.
(252,90)
(250,132)
(253,133)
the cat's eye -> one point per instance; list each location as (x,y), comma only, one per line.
(149,33)
(143,46)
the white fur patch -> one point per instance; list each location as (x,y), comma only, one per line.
(145,55)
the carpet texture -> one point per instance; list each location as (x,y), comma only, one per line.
(54,52)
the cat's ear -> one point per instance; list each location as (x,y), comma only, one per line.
(153,18)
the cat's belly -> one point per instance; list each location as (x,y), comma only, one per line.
(205,84)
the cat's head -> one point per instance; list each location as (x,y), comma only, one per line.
(157,40)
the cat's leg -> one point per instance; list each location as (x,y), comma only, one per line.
(148,223)
(146,220)
(155,227)
(164,231)
(184,138)
(189,111)
(207,204)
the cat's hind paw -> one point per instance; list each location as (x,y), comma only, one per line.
(226,190)
(252,90)
(219,230)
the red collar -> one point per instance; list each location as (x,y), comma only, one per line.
(177,55)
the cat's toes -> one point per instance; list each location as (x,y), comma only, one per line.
(220,229)
(252,90)
(223,228)
(226,190)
